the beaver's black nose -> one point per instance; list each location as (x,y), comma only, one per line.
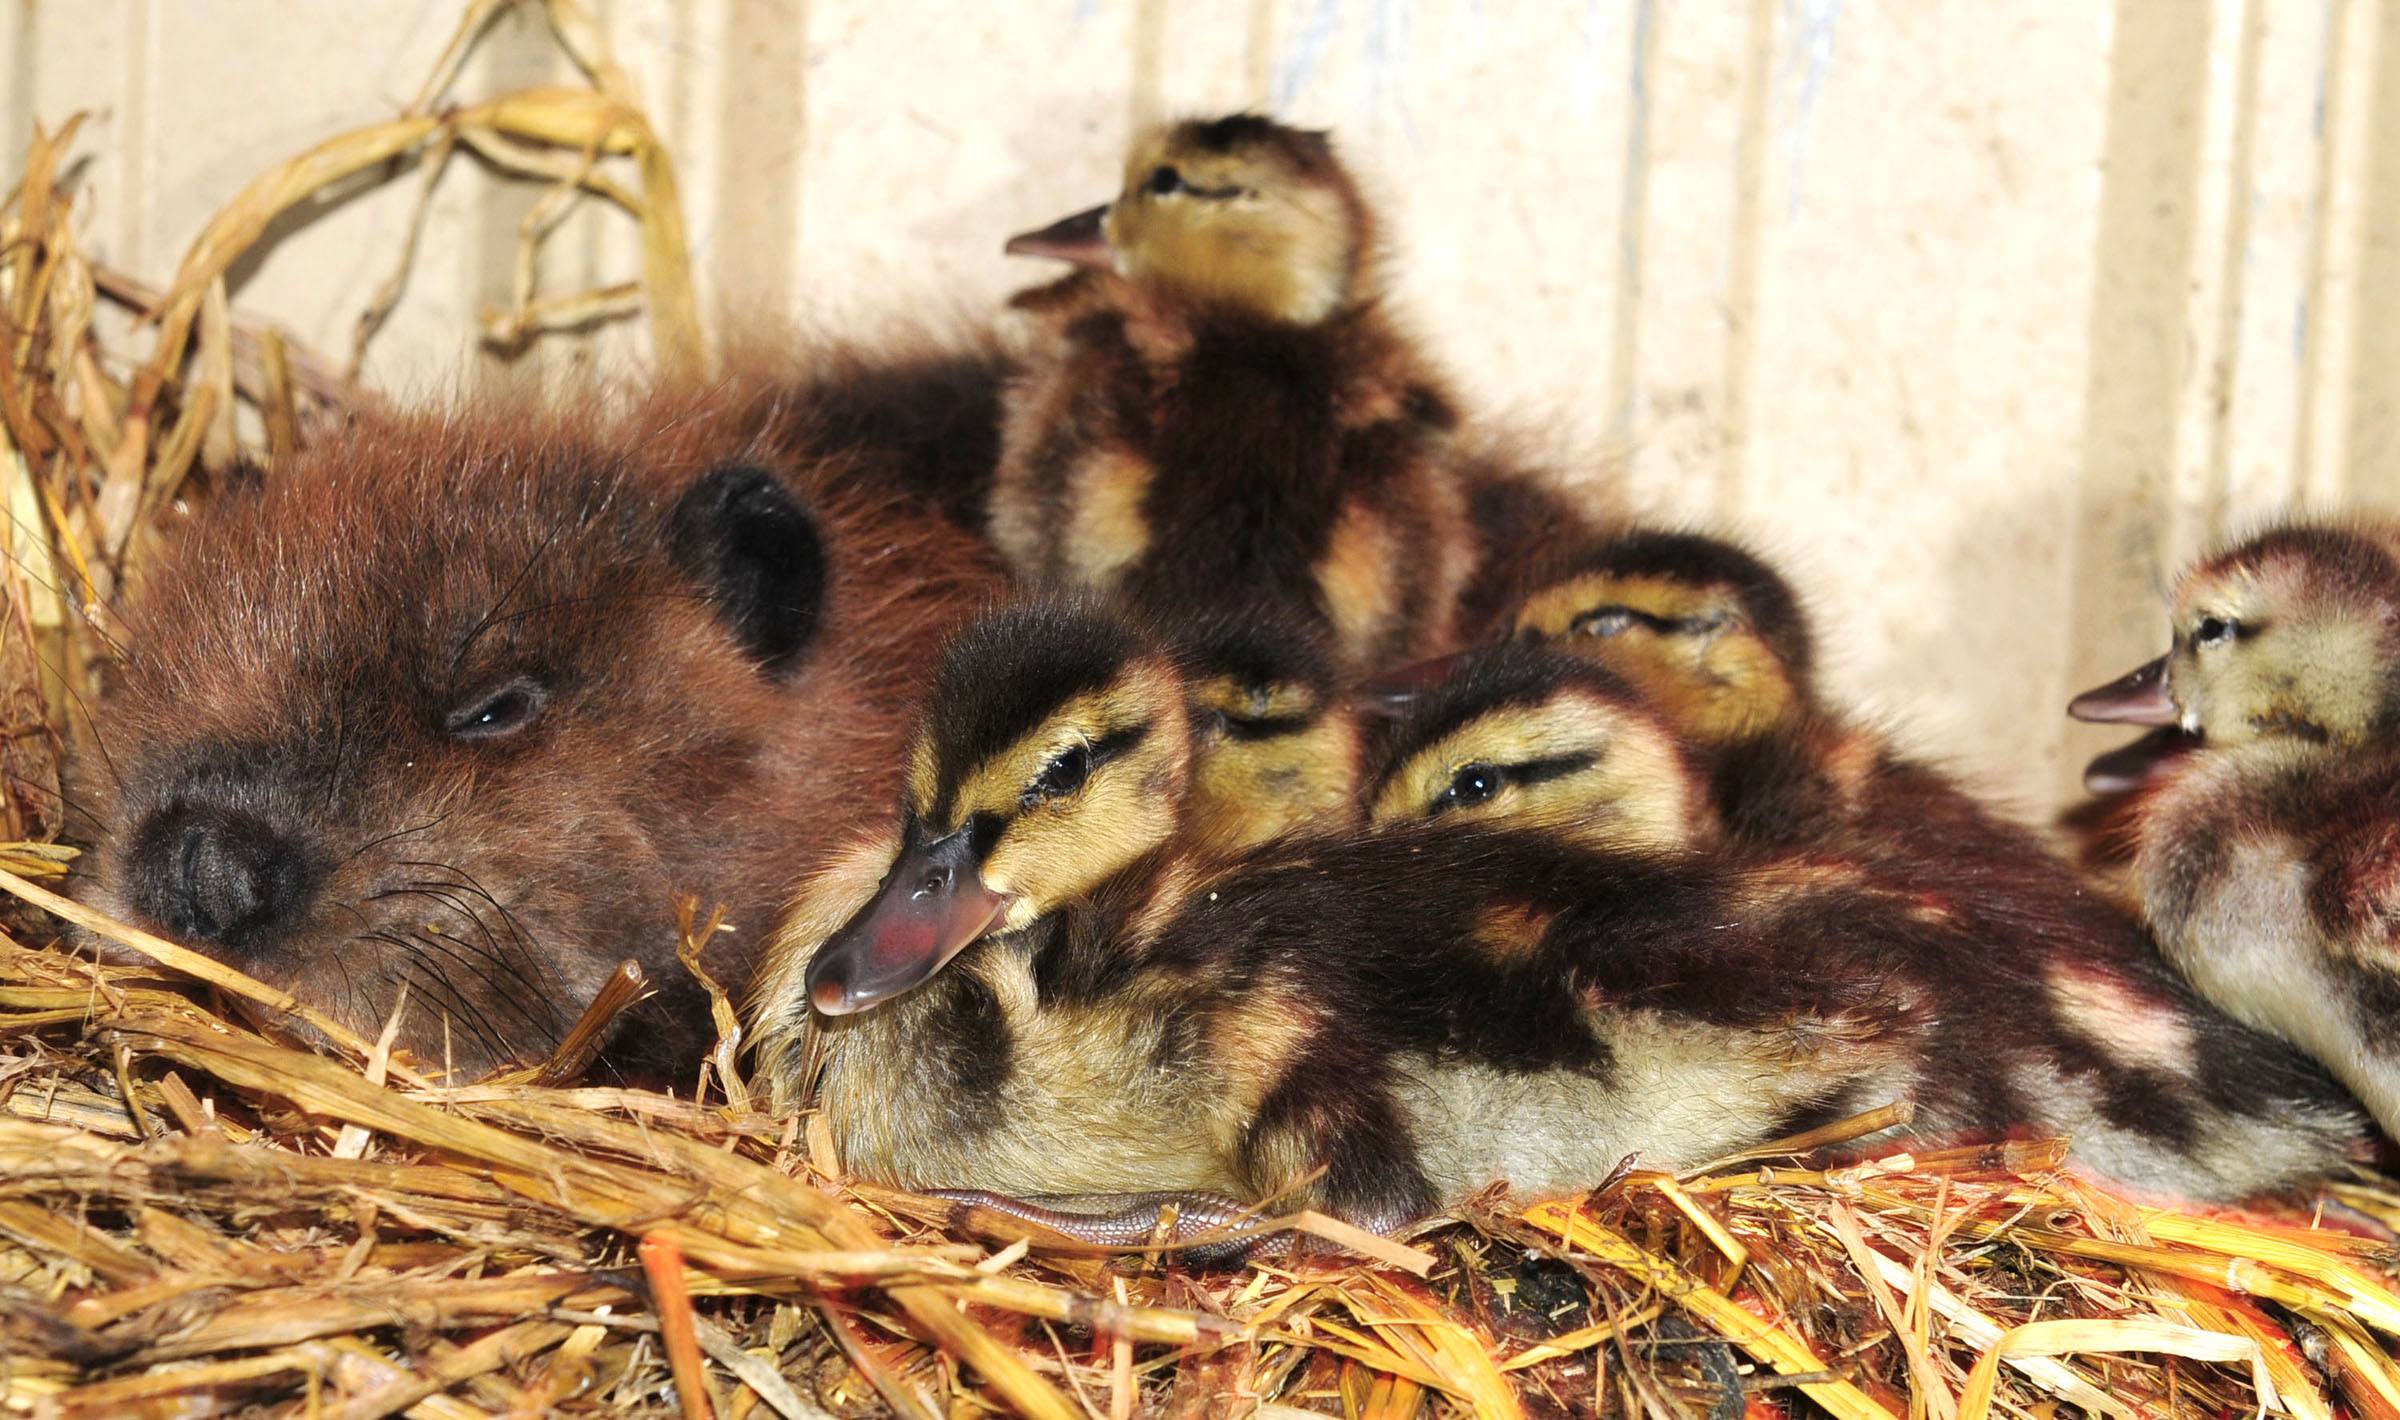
(217,874)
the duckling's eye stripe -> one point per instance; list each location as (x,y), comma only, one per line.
(1264,727)
(1541,771)
(1117,742)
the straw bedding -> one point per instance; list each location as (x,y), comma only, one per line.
(196,1219)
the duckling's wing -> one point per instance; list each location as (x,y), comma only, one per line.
(2356,896)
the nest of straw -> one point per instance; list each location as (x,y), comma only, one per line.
(196,1219)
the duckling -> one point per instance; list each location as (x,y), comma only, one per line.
(2030,1017)
(1544,740)
(1037,988)
(1719,641)
(1704,626)
(1279,744)
(1219,410)
(2266,857)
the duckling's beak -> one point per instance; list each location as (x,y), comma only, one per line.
(2139,697)
(1079,239)
(932,906)
(1392,692)
(2128,767)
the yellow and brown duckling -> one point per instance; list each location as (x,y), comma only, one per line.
(1278,741)
(1700,624)
(1720,642)
(1219,414)
(1040,992)
(1537,739)
(1048,831)
(2268,857)
(2015,1016)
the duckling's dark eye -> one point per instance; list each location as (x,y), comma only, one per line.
(503,712)
(1061,776)
(2215,630)
(1604,621)
(1471,785)
(1164,181)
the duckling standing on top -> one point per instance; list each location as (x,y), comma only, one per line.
(2031,1018)
(1220,424)
(1224,412)
(2268,855)
(1041,990)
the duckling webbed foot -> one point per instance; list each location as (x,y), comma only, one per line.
(1126,1220)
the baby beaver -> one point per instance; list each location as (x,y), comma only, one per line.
(461,703)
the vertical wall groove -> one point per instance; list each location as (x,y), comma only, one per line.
(134,196)
(2311,316)
(1624,371)
(1749,233)
(23,42)
(2225,371)
(2142,257)
(2370,467)
(1144,101)
(762,145)
(1258,56)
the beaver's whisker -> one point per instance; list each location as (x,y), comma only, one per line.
(66,801)
(461,1009)
(90,721)
(474,633)
(442,893)
(431,823)
(66,598)
(463,954)
(467,882)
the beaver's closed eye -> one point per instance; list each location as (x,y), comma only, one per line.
(497,713)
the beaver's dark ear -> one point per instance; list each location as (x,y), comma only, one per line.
(757,550)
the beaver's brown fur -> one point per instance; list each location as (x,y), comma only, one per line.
(462,702)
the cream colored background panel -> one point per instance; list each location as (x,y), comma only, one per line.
(1982,316)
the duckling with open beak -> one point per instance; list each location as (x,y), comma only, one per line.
(2267,854)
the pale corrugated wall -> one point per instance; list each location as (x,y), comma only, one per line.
(1985,316)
